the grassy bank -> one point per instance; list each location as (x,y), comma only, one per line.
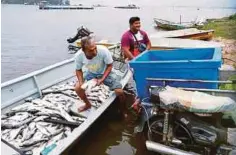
(224,27)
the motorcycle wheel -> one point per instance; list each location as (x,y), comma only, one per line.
(155,133)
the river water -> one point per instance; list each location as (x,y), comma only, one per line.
(32,39)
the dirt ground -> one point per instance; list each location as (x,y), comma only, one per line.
(229,50)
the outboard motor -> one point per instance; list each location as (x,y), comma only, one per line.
(81,32)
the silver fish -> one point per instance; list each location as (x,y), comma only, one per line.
(30,150)
(48,112)
(70,93)
(92,98)
(78,119)
(43,103)
(29,131)
(14,133)
(40,118)
(20,116)
(37,138)
(29,107)
(16,124)
(5,134)
(87,86)
(56,132)
(27,134)
(65,115)
(22,107)
(97,94)
(43,130)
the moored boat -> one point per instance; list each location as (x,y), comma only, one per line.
(191,33)
(130,6)
(49,7)
(168,25)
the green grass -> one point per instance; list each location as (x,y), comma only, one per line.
(229,86)
(224,27)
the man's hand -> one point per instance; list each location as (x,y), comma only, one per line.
(126,60)
(99,82)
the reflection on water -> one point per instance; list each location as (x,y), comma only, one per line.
(111,135)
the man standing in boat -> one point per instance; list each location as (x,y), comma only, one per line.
(97,61)
(134,41)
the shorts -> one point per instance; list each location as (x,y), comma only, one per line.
(110,81)
(131,86)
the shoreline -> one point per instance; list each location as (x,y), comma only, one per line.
(225,33)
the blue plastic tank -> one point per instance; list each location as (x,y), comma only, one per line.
(194,64)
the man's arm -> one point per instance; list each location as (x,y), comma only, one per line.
(79,75)
(107,58)
(125,46)
(148,42)
(149,45)
(127,53)
(107,72)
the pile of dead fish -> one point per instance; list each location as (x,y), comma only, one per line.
(96,94)
(39,123)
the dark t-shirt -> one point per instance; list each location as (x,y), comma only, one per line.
(128,40)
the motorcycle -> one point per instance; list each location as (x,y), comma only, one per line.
(172,130)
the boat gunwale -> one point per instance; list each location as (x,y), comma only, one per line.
(37,72)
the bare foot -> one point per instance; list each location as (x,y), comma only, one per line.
(84,108)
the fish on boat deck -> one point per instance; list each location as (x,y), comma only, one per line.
(26,127)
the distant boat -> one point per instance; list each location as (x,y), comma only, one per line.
(191,33)
(130,6)
(168,25)
(66,7)
(44,5)
(98,5)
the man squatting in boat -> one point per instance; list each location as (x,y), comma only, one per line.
(97,60)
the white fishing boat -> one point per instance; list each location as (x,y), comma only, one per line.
(16,91)
(191,33)
(171,43)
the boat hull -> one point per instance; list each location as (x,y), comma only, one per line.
(167,25)
(16,91)
(191,33)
